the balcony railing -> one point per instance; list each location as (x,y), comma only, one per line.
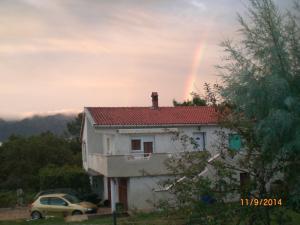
(135,164)
(138,156)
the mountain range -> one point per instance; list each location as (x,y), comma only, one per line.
(56,124)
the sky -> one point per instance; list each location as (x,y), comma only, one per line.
(58,56)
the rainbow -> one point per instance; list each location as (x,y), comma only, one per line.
(192,77)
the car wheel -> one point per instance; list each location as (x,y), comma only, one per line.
(77,212)
(36,215)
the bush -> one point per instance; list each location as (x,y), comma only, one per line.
(22,157)
(64,177)
(8,199)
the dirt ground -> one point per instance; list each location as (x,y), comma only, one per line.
(14,213)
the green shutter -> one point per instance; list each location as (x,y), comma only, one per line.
(235,142)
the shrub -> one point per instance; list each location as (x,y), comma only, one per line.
(8,198)
(64,177)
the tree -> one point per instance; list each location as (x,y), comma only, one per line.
(260,102)
(74,127)
(196,101)
(262,82)
(73,177)
(22,158)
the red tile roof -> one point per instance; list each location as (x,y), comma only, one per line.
(147,116)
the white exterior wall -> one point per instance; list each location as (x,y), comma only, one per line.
(120,143)
(94,139)
(105,191)
(108,149)
(84,145)
(163,142)
(142,194)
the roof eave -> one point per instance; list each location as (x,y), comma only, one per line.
(89,116)
(154,125)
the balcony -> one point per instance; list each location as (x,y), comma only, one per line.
(136,164)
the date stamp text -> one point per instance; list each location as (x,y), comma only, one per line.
(261,202)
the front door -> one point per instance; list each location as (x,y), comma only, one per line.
(109,191)
(244,184)
(148,148)
(123,192)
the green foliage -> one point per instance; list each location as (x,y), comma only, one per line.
(74,177)
(74,127)
(59,221)
(22,158)
(190,188)
(41,162)
(8,199)
(262,81)
(260,101)
(196,101)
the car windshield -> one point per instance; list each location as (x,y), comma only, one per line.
(72,199)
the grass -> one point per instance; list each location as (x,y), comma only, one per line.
(58,221)
(137,219)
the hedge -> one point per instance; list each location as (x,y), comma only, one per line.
(64,177)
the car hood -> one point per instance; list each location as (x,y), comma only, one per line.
(87,205)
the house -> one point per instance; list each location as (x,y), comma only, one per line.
(124,148)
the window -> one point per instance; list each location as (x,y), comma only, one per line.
(198,141)
(136,145)
(57,201)
(72,199)
(108,144)
(84,151)
(148,147)
(44,201)
(235,142)
(143,144)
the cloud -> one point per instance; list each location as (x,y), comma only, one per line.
(199,4)
(40,3)
(67,54)
(52,112)
(51,45)
(19,116)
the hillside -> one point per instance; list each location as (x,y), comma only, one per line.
(34,125)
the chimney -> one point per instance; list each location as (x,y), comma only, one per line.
(154,96)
